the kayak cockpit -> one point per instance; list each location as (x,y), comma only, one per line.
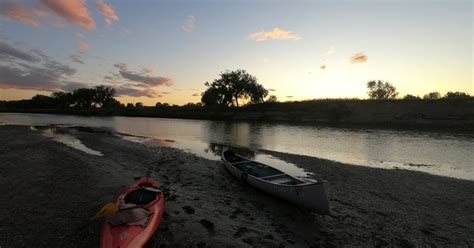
(140,197)
(132,211)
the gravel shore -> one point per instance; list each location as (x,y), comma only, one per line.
(50,190)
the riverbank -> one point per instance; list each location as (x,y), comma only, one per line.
(50,191)
(446,114)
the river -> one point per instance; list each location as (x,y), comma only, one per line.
(440,153)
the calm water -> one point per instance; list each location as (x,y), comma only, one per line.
(441,153)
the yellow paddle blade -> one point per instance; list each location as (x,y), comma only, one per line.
(108,209)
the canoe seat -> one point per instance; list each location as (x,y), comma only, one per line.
(268,177)
(280,179)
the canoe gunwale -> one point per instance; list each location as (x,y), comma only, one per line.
(304,184)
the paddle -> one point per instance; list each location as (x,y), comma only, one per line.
(107,210)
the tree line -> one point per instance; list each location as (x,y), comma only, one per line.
(232,89)
(85,98)
(380,90)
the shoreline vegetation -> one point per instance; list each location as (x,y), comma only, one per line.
(208,207)
(410,113)
(237,96)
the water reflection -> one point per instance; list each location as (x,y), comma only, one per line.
(146,140)
(217,149)
(62,136)
(288,168)
(446,153)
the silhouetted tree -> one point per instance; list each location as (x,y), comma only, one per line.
(381,90)
(272,98)
(104,96)
(83,97)
(42,101)
(233,88)
(456,95)
(432,95)
(215,96)
(139,105)
(411,97)
(62,99)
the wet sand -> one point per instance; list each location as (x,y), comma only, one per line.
(50,190)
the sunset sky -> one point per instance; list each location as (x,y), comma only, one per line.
(164,51)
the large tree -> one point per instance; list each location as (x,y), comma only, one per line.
(104,96)
(381,90)
(234,88)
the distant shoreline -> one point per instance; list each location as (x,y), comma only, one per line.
(411,114)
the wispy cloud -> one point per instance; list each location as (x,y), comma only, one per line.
(195,94)
(76,58)
(108,12)
(32,70)
(142,83)
(359,58)
(147,80)
(74,12)
(322,67)
(17,12)
(331,50)
(9,52)
(190,24)
(139,77)
(121,66)
(148,70)
(275,34)
(83,46)
(127,91)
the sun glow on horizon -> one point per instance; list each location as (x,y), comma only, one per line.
(302,50)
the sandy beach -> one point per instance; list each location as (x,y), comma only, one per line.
(49,191)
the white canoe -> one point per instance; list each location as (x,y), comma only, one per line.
(310,195)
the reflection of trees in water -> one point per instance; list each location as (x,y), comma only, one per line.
(216,149)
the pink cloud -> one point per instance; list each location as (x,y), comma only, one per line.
(83,46)
(275,34)
(108,12)
(359,58)
(74,12)
(148,70)
(19,13)
(41,12)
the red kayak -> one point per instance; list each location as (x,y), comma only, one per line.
(140,209)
